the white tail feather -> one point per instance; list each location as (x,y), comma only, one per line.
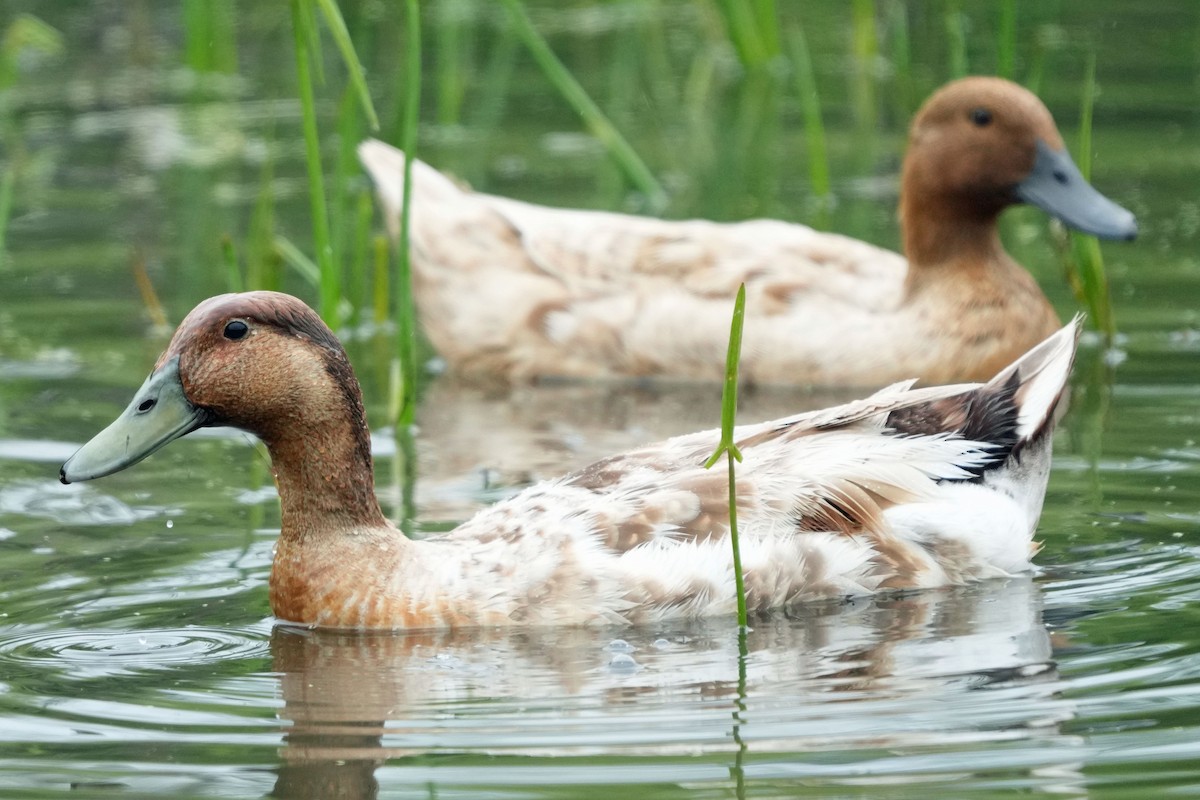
(1042,374)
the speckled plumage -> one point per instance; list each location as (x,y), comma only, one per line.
(517,291)
(881,493)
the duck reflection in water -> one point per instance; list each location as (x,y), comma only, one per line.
(958,670)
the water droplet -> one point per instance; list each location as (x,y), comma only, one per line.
(662,644)
(623,663)
(170,523)
(619,646)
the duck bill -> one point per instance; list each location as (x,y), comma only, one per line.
(1056,186)
(159,413)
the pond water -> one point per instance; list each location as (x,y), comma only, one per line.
(137,656)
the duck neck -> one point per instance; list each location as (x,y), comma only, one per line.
(321,458)
(942,234)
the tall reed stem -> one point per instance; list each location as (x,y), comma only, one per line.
(956,36)
(1006,40)
(8,182)
(814,127)
(406,334)
(1088,276)
(600,126)
(304,31)
(358,79)
(728,447)
(865,50)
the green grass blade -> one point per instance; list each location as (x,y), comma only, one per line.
(495,83)
(262,259)
(752,129)
(380,284)
(956,36)
(493,93)
(729,392)
(209,36)
(727,447)
(865,52)
(197,35)
(364,213)
(1084,151)
(767,19)
(406,313)
(329,289)
(295,258)
(358,78)
(753,28)
(233,274)
(600,126)
(25,32)
(814,127)
(1006,40)
(742,29)
(8,182)
(450,61)
(312,35)
(1090,279)
(405,477)
(902,68)
(625,68)
(345,182)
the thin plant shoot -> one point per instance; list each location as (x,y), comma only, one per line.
(1085,262)
(728,447)
(404,388)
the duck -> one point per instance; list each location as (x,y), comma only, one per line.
(511,291)
(908,488)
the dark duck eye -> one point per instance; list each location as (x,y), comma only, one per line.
(236,329)
(981,117)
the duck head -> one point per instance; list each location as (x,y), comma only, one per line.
(981,144)
(263,362)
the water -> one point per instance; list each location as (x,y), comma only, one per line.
(137,656)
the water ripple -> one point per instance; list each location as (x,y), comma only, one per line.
(69,505)
(85,654)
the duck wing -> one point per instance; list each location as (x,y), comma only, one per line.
(907,488)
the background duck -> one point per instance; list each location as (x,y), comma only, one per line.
(907,488)
(510,289)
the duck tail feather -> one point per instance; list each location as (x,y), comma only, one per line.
(1018,406)
(385,165)
(1040,379)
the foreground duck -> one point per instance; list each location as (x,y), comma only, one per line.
(907,488)
(520,291)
